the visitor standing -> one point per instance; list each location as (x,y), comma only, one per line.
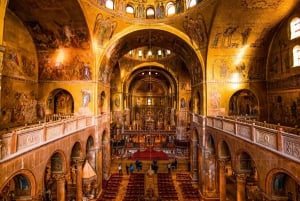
(131,168)
(175,163)
(127,169)
(169,168)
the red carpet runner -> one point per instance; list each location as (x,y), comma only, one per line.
(150,154)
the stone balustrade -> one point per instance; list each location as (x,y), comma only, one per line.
(16,141)
(274,138)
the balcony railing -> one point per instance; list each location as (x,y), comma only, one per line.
(19,140)
(273,137)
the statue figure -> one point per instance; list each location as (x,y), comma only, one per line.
(85,97)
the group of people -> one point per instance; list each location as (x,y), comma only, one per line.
(130,167)
(138,166)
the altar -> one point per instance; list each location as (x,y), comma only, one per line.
(150,124)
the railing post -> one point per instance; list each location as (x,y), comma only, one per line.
(222,122)
(44,133)
(235,126)
(253,132)
(279,139)
(14,142)
(76,123)
(63,127)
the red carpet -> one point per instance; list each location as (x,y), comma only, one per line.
(150,154)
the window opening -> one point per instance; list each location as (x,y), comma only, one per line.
(295,27)
(296,55)
(109,4)
(170,9)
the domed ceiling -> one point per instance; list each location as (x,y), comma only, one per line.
(224,25)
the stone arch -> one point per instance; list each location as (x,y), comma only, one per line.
(226,177)
(108,62)
(106,154)
(60,101)
(210,165)
(223,150)
(20,185)
(244,162)
(57,162)
(244,103)
(56,165)
(210,143)
(246,174)
(77,157)
(197,103)
(109,57)
(224,155)
(91,152)
(77,151)
(281,183)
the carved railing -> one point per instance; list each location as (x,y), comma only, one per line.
(149,132)
(19,140)
(269,136)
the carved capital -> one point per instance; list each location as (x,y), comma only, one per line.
(78,160)
(58,176)
(241,177)
(222,162)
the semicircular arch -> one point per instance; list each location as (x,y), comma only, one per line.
(30,180)
(177,41)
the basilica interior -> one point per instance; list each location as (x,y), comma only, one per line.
(200,97)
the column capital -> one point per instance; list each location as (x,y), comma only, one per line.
(222,162)
(78,160)
(58,175)
(241,177)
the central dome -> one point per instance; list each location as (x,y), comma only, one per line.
(148,9)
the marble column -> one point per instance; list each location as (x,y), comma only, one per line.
(79,182)
(222,178)
(98,169)
(106,159)
(60,185)
(241,181)
(194,162)
(98,159)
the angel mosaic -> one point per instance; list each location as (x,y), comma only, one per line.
(104,29)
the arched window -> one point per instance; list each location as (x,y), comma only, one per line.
(129,9)
(170,9)
(150,13)
(296,55)
(295,27)
(109,4)
(190,3)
